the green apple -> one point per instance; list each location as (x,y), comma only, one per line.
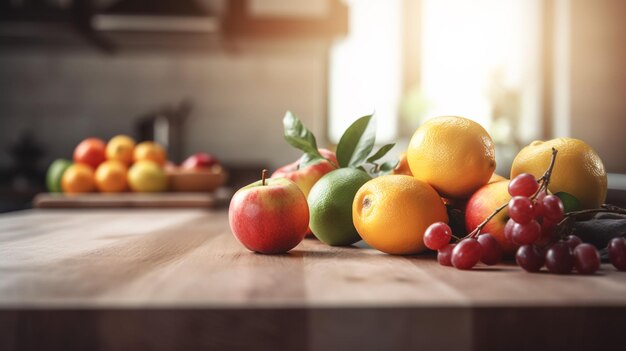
(55,173)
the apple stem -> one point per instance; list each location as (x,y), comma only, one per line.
(263,176)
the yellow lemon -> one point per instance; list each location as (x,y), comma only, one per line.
(147,176)
(578,170)
(391,213)
(453,154)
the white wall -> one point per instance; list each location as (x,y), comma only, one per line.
(598,78)
(239,97)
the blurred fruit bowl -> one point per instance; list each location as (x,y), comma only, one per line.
(196,180)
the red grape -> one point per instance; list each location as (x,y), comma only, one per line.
(521,209)
(524,234)
(553,207)
(437,235)
(559,258)
(586,258)
(466,254)
(523,185)
(617,253)
(573,241)
(492,252)
(547,228)
(444,255)
(508,229)
(530,258)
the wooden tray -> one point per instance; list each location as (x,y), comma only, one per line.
(134,200)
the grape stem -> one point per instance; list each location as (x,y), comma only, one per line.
(475,232)
(568,218)
(605,208)
(544,180)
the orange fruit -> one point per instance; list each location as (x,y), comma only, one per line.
(496,178)
(121,148)
(78,178)
(111,177)
(149,150)
(578,170)
(147,176)
(392,212)
(453,154)
(403,166)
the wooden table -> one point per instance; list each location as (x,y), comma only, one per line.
(178,280)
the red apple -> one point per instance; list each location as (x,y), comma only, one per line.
(269,216)
(307,177)
(199,160)
(91,152)
(482,203)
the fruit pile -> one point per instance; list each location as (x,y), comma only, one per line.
(117,166)
(442,194)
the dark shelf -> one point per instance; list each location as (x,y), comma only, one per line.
(164,27)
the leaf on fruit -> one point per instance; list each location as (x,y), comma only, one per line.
(309,159)
(380,153)
(298,136)
(387,167)
(356,142)
(570,202)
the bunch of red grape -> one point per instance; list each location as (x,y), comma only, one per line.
(466,253)
(534,216)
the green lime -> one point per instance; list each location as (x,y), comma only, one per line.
(55,173)
(330,205)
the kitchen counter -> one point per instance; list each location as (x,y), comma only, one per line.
(178,279)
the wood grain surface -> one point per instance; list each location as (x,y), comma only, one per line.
(177,279)
(133,200)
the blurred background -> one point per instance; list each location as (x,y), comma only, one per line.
(218,76)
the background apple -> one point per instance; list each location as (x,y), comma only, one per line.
(55,173)
(91,152)
(482,203)
(306,177)
(269,216)
(199,160)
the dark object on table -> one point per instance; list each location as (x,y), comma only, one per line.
(25,177)
(600,229)
(165,126)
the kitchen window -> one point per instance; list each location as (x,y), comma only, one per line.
(479,59)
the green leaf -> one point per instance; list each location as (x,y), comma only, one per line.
(380,153)
(310,159)
(298,136)
(570,202)
(356,142)
(387,167)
